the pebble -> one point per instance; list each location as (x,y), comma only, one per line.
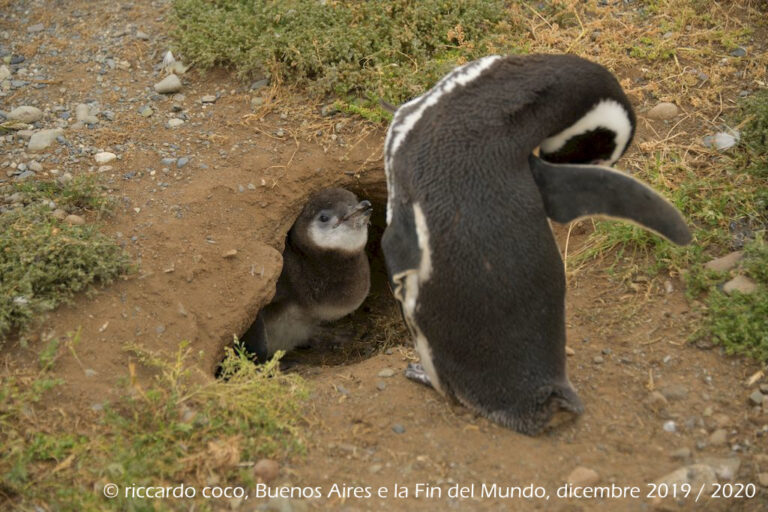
(168,85)
(25,176)
(82,111)
(656,401)
(720,141)
(669,426)
(230,253)
(697,475)
(569,351)
(146,111)
(266,470)
(280,132)
(725,263)
(719,437)
(168,161)
(175,122)
(142,35)
(583,477)
(598,359)
(739,52)
(104,157)
(725,468)
(756,398)
(74,220)
(386,373)
(25,114)
(43,138)
(741,284)
(663,111)
(681,453)
(59,214)
(762,478)
(381,386)
(37,27)
(208,98)
(181,162)
(90,372)
(35,166)
(675,392)
(398,428)
(4,72)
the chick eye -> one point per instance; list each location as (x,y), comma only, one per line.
(324,218)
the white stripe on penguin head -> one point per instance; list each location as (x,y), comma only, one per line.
(609,114)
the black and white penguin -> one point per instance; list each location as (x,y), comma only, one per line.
(325,274)
(468,245)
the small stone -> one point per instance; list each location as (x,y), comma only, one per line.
(255,86)
(168,85)
(738,52)
(37,27)
(280,132)
(25,175)
(25,114)
(90,372)
(230,253)
(762,478)
(64,178)
(4,72)
(756,398)
(381,386)
(43,138)
(181,162)
(105,168)
(725,468)
(74,220)
(266,470)
(583,477)
(675,392)
(208,98)
(398,428)
(375,468)
(764,389)
(722,420)
(142,35)
(386,373)
(82,111)
(681,453)
(719,437)
(35,166)
(175,122)
(569,351)
(59,214)
(725,263)
(104,157)
(697,475)
(669,426)
(741,284)
(598,359)
(663,111)
(720,141)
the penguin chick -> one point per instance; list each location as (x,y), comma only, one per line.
(325,273)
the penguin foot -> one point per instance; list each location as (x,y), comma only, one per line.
(416,372)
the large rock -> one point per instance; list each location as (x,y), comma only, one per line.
(44,138)
(741,284)
(25,114)
(725,263)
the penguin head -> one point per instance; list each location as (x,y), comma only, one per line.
(600,136)
(332,220)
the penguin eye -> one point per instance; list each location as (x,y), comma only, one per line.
(324,218)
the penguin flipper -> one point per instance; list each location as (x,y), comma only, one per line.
(573,191)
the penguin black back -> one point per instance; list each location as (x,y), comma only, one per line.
(468,245)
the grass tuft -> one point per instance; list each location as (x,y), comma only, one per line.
(391,50)
(178,430)
(44,261)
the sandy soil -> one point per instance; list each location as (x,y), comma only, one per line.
(628,336)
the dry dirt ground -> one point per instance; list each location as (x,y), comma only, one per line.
(629,337)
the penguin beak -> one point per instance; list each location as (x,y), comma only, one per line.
(362,209)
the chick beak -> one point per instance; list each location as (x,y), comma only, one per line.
(363,208)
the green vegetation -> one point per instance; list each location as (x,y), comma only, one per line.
(358,51)
(44,261)
(175,431)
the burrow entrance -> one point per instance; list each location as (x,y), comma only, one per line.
(376,325)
